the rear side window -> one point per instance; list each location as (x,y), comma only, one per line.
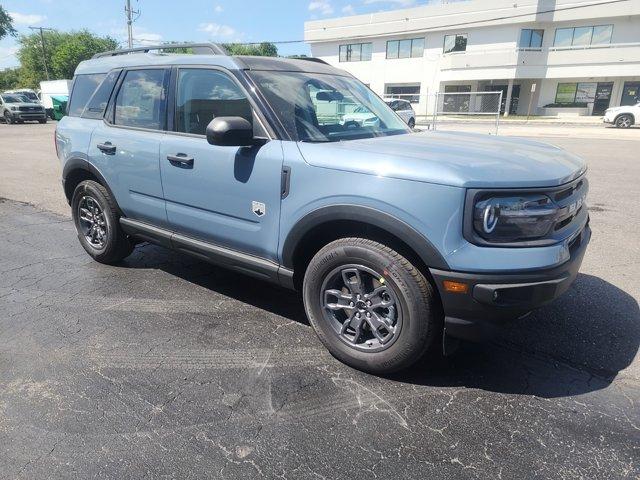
(96,106)
(83,88)
(141,100)
(206,94)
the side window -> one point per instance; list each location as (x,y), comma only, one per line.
(97,104)
(204,95)
(141,100)
(83,88)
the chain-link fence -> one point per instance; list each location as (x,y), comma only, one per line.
(459,108)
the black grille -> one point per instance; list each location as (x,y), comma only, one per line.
(30,109)
(571,200)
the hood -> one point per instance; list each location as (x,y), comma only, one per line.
(25,104)
(451,158)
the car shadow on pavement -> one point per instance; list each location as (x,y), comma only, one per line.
(575,345)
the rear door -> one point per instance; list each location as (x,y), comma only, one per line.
(229,196)
(125,148)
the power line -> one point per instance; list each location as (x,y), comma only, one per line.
(451,25)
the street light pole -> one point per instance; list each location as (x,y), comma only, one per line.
(44,51)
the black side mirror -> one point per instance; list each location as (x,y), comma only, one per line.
(231,132)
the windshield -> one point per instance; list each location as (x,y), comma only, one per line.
(11,99)
(28,95)
(316,107)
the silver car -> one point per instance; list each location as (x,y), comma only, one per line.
(17,108)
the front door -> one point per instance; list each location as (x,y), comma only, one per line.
(603,97)
(125,147)
(630,93)
(229,196)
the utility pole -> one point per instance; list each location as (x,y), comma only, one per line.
(130,13)
(44,50)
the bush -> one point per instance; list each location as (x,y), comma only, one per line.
(566,105)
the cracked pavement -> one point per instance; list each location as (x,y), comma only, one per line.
(164,366)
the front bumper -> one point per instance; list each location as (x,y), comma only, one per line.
(492,299)
(30,116)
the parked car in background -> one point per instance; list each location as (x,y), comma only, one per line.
(623,117)
(14,109)
(404,110)
(360,117)
(31,95)
(54,88)
(397,239)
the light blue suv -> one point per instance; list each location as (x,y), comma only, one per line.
(396,239)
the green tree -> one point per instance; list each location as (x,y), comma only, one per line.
(6,24)
(63,52)
(9,79)
(264,49)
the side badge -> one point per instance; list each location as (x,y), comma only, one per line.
(258,208)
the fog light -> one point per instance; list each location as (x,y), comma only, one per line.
(455,287)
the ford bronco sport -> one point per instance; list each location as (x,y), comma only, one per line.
(396,239)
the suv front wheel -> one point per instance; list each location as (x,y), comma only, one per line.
(96,218)
(370,306)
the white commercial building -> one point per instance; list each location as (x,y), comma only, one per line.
(557,57)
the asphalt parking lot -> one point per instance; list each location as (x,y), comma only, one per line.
(164,366)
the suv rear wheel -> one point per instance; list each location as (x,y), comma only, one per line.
(412,122)
(370,306)
(96,218)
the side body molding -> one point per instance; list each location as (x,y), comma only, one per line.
(414,239)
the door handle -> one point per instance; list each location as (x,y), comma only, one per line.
(107,147)
(181,160)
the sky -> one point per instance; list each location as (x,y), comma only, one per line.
(186,20)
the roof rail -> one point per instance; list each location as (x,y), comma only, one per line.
(310,59)
(209,48)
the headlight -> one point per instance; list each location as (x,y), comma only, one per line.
(502,219)
(13,107)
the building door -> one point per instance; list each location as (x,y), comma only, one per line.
(603,97)
(630,93)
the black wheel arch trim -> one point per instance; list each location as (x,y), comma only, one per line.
(76,163)
(377,218)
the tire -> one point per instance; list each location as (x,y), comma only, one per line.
(624,121)
(106,243)
(412,123)
(8,118)
(411,323)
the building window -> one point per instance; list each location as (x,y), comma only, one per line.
(410,48)
(581,36)
(411,93)
(455,43)
(530,38)
(355,52)
(576,94)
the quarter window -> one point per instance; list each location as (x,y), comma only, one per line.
(455,43)
(204,95)
(141,101)
(530,38)
(581,36)
(409,48)
(355,52)
(96,106)
(83,88)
